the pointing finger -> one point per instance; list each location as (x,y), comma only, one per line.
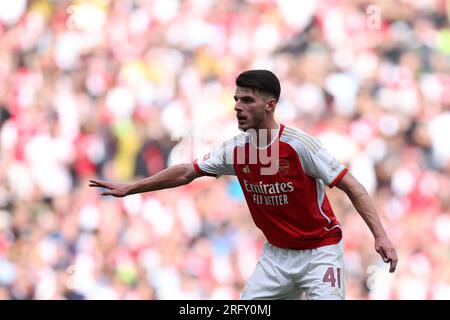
(393,265)
(98,185)
(393,259)
(95,182)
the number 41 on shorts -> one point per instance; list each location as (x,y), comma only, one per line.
(331,278)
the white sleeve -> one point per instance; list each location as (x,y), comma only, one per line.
(217,162)
(320,164)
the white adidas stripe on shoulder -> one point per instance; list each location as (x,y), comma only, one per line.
(241,139)
(236,140)
(297,135)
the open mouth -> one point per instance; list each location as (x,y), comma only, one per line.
(241,118)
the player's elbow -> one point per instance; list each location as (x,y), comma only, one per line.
(189,174)
(350,185)
(185,180)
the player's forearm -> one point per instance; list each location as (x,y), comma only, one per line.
(365,207)
(168,178)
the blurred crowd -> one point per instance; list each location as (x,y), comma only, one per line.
(121,89)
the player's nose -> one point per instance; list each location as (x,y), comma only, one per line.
(238,106)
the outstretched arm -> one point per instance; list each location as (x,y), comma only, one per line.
(364,205)
(171,177)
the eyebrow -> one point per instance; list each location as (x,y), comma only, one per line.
(249,97)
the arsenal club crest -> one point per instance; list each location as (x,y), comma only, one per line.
(283,166)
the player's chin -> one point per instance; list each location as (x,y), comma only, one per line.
(243,128)
(243,125)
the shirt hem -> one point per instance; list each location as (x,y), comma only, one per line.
(312,245)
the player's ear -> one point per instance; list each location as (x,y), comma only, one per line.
(270,105)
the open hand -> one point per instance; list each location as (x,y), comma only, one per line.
(115,189)
(386,250)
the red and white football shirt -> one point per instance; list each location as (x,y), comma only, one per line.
(289,206)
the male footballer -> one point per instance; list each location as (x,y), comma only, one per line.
(283,173)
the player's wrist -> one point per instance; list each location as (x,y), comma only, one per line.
(130,189)
(380,236)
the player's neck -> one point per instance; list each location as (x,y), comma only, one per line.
(265,135)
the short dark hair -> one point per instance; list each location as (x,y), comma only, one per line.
(261,80)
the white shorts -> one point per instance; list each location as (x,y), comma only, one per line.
(287,274)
